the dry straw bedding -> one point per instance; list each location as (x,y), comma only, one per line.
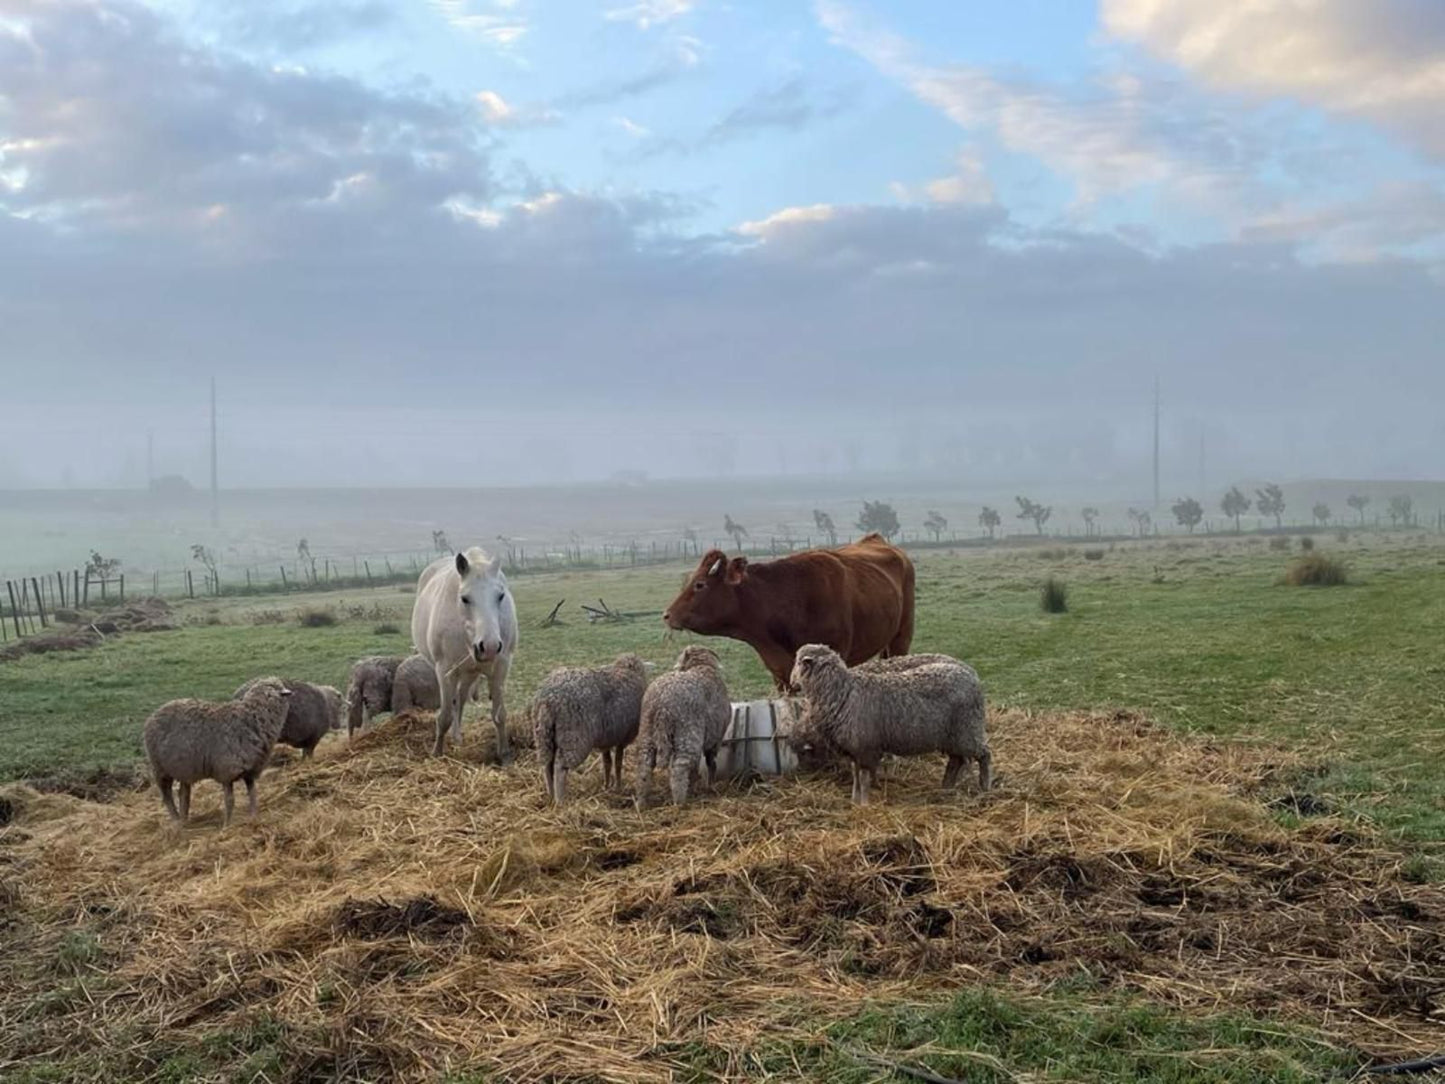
(402,916)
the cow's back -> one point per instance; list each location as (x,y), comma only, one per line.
(880,593)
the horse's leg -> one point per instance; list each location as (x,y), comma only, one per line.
(497,686)
(464,694)
(447,705)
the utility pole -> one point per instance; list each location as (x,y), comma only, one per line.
(1202,487)
(150,458)
(215,492)
(1156,443)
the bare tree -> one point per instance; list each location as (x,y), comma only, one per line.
(1400,510)
(989,519)
(1269,501)
(734,530)
(1039,513)
(1234,505)
(689,538)
(1357,502)
(1142,520)
(935,525)
(1321,512)
(439,542)
(1189,513)
(878,516)
(1090,514)
(824,522)
(206,557)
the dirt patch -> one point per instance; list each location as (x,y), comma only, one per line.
(95,785)
(420,913)
(89,629)
(421,917)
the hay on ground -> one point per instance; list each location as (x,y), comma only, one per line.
(398,916)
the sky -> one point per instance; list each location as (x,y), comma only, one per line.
(490,242)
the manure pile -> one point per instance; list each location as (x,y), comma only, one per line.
(394,916)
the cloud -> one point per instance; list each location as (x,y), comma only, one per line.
(650,13)
(788,108)
(968,184)
(499,113)
(497,22)
(631,127)
(1383,60)
(295,27)
(683,54)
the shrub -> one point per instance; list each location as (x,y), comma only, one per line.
(315,619)
(1093,555)
(1056,553)
(1317,570)
(1307,544)
(1055,596)
(1342,536)
(386,628)
(267,617)
(1279,542)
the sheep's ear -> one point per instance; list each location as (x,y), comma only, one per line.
(462,566)
(737,570)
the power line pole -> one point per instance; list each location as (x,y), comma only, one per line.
(150,458)
(1156,443)
(1202,487)
(215,492)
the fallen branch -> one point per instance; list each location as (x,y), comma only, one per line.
(551,618)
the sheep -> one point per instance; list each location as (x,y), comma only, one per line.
(369,692)
(866,712)
(312,712)
(190,740)
(897,664)
(577,710)
(685,713)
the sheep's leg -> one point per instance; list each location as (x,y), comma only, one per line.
(559,782)
(306,751)
(985,770)
(950,773)
(606,768)
(646,762)
(853,764)
(680,776)
(250,795)
(865,780)
(711,759)
(185,796)
(547,780)
(228,801)
(166,783)
(617,768)
(497,687)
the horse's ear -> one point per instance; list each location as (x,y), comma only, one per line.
(462,566)
(737,570)
(494,566)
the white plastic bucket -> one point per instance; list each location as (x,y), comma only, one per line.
(757,739)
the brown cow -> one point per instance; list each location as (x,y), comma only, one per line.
(857,599)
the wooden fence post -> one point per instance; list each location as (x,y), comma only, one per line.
(60,579)
(122,586)
(14,609)
(284,585)
(39,602)
(248,579)
(190,585)
(367,566)
(104,580)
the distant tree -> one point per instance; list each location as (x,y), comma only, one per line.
(689,538)
(1089,514)
(1321,512)
(734,530)
(101,568)
(785,535)
(1142,520)
(207,559)
(1269,501)
(1234,505)
(1189,513)
(303,550)
(935,525)
(824,523)
(989,519)
(878,516)
(1400,509)
(439,542)
(1039,513)
(1358,502)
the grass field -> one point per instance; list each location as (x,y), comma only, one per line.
(1198,636)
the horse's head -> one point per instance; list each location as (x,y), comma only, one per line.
(482,596)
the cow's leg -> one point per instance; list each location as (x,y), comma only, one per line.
(779,661)
(497,686)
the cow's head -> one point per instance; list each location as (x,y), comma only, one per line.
(708,602)
(481,593)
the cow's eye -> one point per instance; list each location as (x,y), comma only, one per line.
(699,585)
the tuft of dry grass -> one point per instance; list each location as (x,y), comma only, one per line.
(391,915)
(1317,570)
(316,618)
(1054,596)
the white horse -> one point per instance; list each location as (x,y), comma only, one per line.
(465,624)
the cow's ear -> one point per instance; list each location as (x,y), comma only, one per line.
(737,570)
(713,562)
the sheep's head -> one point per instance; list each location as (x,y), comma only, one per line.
(811,662)
(697,657)
(269,689)
(630,665)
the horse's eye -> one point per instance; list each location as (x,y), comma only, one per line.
(501,596)
(466,600)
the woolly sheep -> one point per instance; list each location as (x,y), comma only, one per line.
(369,691)
(685,713)
(312,712)
(907,711)
(190,740)
(415,686)
(577,710)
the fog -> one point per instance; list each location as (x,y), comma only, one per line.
(388,292)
